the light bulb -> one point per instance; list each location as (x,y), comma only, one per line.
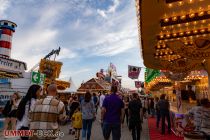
(195,31)
(174,34)
(166,20)
(188,32)
(183,17)
(192,15)
(181,33)
(174,18)
(201,14)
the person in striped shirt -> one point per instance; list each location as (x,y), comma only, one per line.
(46,115)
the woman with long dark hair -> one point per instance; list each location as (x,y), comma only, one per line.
(88,116)
(10,111)
(26,105)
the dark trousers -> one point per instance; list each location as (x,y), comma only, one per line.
(165,115)
(96,109)
(126,116)
(114,128)
(86,128)
(157,119)
(148,110)
(136,131)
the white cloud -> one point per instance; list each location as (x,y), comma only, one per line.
(114,36)
(68,73)
(102,13)
(38,39)
(66,53)
(88,12)
(110,10)
(113,8)
(4,4)
(114,47)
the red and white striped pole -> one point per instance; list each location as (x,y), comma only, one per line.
(6,31)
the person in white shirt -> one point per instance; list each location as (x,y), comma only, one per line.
(102,97)
(26,106)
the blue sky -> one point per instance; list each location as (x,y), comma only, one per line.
(91,33)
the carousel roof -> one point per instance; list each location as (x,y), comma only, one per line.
(95,84)
(174,34)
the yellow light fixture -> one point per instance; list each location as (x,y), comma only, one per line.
(170,5)
(191,1)
(181,33)
(166,20)
(203,21)
(201,14)
(180,3)
(174,18)
(192,15)
(188,32)
(174,34)
(195,31)
(164,45)
(168,35)
(183,17)
(202,31)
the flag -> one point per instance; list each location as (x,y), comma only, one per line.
(133,72)
(138,84)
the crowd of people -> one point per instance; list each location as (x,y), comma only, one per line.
(39,114)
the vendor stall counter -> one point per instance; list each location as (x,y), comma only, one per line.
(177,116)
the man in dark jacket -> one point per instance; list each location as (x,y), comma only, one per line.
(135,113)
(164,106)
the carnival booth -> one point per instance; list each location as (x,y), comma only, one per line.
(182,93)
(174,36)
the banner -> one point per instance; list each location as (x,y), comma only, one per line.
(133,72)
(138,84)
(151,74)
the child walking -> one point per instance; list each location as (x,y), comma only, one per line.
(77,123)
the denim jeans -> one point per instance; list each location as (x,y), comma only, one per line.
(114,128)
(86,128)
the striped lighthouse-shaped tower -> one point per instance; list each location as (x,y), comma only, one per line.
(7,28)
